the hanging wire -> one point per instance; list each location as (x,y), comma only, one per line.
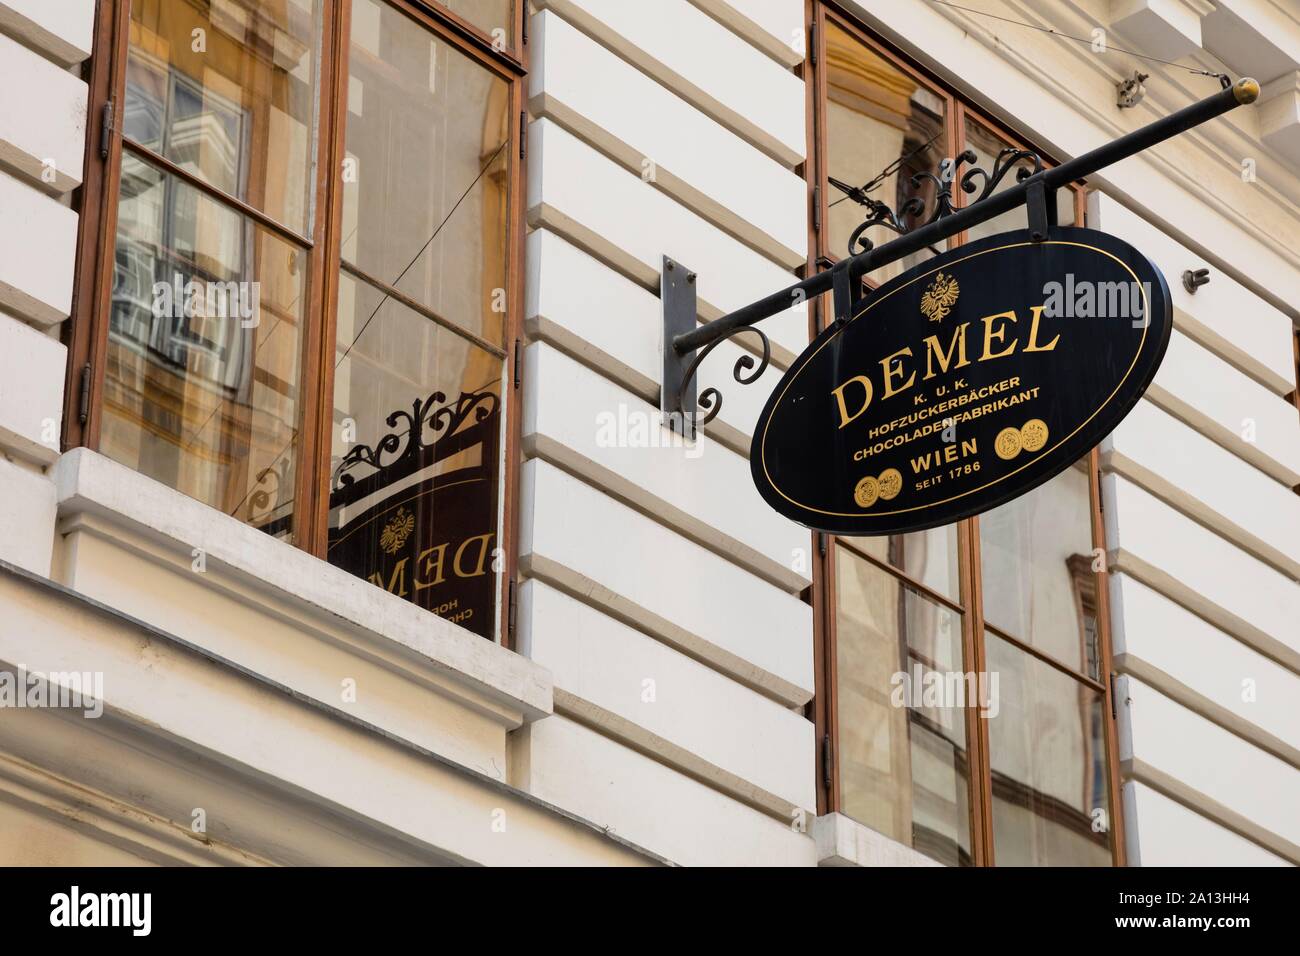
(365,325)
(1223,78)
(859,193)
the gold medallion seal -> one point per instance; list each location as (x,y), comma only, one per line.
(1033,436)
(1007,444)
(866,492)
(891,483)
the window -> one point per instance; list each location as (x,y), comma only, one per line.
(301,296)
(964,696)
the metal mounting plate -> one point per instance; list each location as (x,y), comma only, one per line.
(677,303)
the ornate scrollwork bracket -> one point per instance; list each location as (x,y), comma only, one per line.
(912,213)
(430,420)
(682,411)
(679,405)
(710,400)
(686,342)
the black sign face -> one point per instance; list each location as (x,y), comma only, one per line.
(963,383)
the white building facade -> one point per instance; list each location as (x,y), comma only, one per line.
(338,524)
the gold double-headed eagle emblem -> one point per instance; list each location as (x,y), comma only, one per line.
(939,297)
(397,530)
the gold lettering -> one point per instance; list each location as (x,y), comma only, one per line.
(1033,345)
(482,555)
(887,366)
(991,334)
(398,577)
(845,417)
(934,351)
(430,566)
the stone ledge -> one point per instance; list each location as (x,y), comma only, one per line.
(32,368)
(842,841)
(62,30)
(281,578)
(281,778)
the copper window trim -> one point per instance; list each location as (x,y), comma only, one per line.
(401,298)
(905,578)
(215,193)
(1044,658)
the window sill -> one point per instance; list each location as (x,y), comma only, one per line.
(382,635)
(842,841)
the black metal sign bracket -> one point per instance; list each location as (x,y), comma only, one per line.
(686,343)
(1041,215)
(842,286)
(678,304)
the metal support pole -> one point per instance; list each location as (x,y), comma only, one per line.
(1047,182)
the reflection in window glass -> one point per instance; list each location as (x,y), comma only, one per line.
(986,145)
(227,92)
(425,180)
(1039,583)
(902,754)
(877,118)
(413,493)
(200,387)
(1047,751)
(493,17)
(929,557)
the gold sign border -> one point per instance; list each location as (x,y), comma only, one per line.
(1146,306)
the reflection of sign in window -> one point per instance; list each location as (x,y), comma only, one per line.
(403,520)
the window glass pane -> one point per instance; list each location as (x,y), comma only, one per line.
(226,90)
(426,174)
(902,752)
(490,16)
(877,118)
(414,484)
(929,557)
(1039,583)
(201,383)
(986,144)
(1050,803)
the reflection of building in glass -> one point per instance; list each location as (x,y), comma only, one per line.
(419,323)
(175,117)
(206,302)
(883,127)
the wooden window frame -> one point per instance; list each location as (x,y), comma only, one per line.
(86,335)
(824,710)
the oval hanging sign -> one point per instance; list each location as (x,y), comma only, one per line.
(963,383)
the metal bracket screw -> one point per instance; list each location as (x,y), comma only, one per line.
(1194,279)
